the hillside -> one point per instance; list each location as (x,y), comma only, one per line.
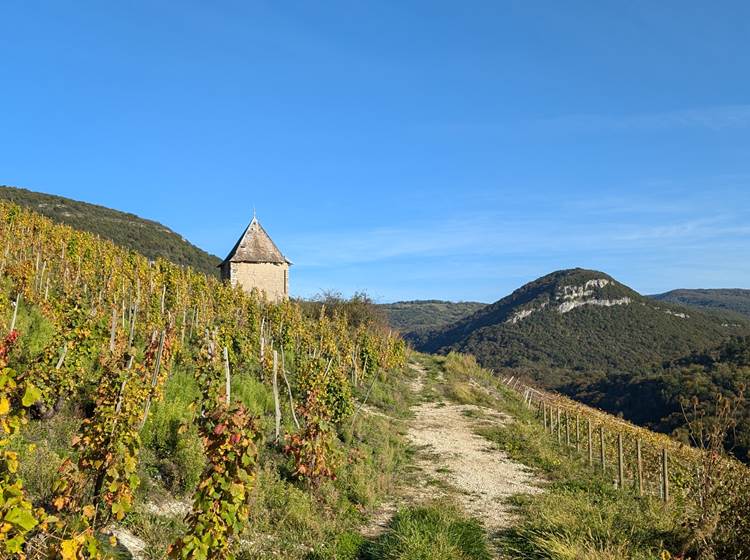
(125,422)
(735,300)
(116,401)
(417,315)
(578,322)
(147,237)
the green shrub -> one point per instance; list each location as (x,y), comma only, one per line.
(35,330)
(38,470)
(345,546)
(158,531)
(255,395)
(176,452)
(283,508)
(56,432)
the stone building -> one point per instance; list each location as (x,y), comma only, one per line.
(256,262)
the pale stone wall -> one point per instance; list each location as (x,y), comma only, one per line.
(272,278)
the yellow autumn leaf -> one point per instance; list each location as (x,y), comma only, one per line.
(89,511)
(4,406)
(69,549)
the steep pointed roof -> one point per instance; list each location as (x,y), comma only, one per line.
(255,246)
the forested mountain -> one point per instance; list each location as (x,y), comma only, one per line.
(734,300)
(577,322)
(147,237)
(417,315)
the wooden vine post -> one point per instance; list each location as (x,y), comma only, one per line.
(113,330)
(664,475)
(620,463)
(578,434)
(277,406)
(639,466)
(154,378)
(551,421)
(15,313)
(602,455)
(227,377)
(591,446)
(182,326)
(559,428)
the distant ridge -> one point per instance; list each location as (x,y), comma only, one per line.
(418,315)
(736,300)
(147,237)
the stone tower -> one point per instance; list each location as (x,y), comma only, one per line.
(256,262)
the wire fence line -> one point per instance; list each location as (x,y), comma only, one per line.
(637,459)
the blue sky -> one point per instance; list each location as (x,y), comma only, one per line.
(430,149)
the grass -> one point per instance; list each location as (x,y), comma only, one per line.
(437,531)
(394,403)
(458,378)
(433,532)
(580,515)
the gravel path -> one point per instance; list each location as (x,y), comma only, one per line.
(483,476)
(465,466)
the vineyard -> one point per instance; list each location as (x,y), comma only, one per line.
(700,483)
(92,325)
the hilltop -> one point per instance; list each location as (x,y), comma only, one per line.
(418,315)
(579,322)
(734,300)
(147,237)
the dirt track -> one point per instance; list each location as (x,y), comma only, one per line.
(453,461)
(484,477)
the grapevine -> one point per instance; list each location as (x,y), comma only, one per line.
(220,503)
(17,516)
(118,322)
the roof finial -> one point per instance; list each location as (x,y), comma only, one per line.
(255,218)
